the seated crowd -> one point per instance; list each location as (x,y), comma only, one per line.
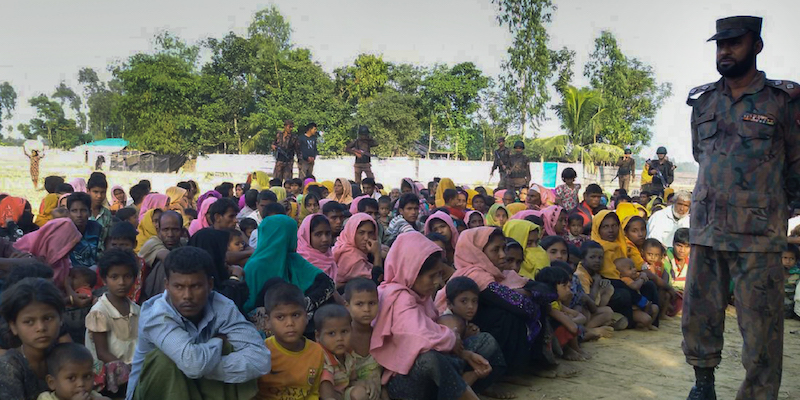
(333,290)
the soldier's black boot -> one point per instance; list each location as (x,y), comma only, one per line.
(704,386)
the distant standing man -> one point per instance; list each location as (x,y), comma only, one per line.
(663,171)
(501,156)
(285,146)
(308,151)
(361,149)
(519,168)
(745,134)
(626,171)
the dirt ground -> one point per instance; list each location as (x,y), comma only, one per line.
(650,365)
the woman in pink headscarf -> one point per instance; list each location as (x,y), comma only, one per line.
(509,306)
(357,240)
(53,242)
(442,223)
(202,221)
(314,243)
(555,221)
(420,357)
(474,219)
(153,201)
(527,213)
(354,204)
(78,185)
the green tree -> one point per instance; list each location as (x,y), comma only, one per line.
(391,116)
(269,25)
(25,131)
(51,124)
(632,94)
(8,101)
(65,94)
(531,64)
(580,112)
(365,79)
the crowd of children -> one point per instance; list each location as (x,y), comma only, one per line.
(301,289)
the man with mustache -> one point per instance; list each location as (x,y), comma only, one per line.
(745,131)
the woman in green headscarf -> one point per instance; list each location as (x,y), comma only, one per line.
(497,215)
(276,257)
(527,234)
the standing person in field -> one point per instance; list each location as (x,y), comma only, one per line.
(744,136)
(308,151)
(501,162)
(285,146)
(519,168)
(35,157)
(626,171)
(361,149)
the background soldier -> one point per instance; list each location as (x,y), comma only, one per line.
(286,146)
(501,156)
(360,148)
(519,168)
(626,171)
(745,138)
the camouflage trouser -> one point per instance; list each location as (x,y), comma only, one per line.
(625,182)
(365,168)
(306,169)
(283,170)
(503,180)
(758,290)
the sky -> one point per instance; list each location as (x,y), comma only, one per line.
(47,41)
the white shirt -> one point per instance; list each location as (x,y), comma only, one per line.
(793,223)
(122,329)
(663,224)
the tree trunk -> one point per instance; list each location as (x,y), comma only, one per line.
(430,136)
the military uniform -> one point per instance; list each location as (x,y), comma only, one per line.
(501,162)
(749,155)
(519,171)
(287,148)
(363,164)
(627,167)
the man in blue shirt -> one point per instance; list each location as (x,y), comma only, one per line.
(193,342)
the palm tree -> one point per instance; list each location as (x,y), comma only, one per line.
(580,112)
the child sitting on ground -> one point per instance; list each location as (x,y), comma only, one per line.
(654,254)
(598,319)
(299,360)
(598,288)
(112,324)
(247,226)
(69,374)
(575,230)
(361,300)
(792,274)
(644,312)
(462,300)
(566,321)
(122,236)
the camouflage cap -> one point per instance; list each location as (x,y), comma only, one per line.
(661,150)
(732,27)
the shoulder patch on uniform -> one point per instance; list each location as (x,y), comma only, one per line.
(696,92)
(791,88)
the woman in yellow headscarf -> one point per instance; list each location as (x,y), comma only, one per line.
(607,230)
(444,184)
(259,180)
(177,199)
(527,234)
(279,192)
(49,203)
(147,228)
(514,208)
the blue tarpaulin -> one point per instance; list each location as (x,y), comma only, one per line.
(549,174)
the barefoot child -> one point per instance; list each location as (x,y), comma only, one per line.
(332,329)
(598,319)
(644,312)
(299,360)
(112,324)
(361,300)
(598,288)
(567,322)
(69,374)
(654,253)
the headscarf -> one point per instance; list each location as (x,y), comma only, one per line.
(405,326)
(311,184)
(498,196)
(280,193)
(11,208)
(633,251)
(328,185)
(323,261)
(153,201)
(613,250)
(347,194)
(470,195)
(550,216)
(53,242)
(535,258)
(209,194)
(492,211)
(276,257)
(201,221)
(147,229)
(447,219)
(413,185)
(526,213)
(215,242)
(350,261)
(49,203)
(115,203)
(514,208)
(354,204)
(175,195)
(547,195)
(78,185)
(307,182)
(259,181)
(444,184)
(626,210)
(469,214)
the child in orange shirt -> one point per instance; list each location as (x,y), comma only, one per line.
(297,362)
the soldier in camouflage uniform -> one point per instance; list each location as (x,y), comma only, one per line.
(501,156)
(745,136)
(519,168)
(286,146)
